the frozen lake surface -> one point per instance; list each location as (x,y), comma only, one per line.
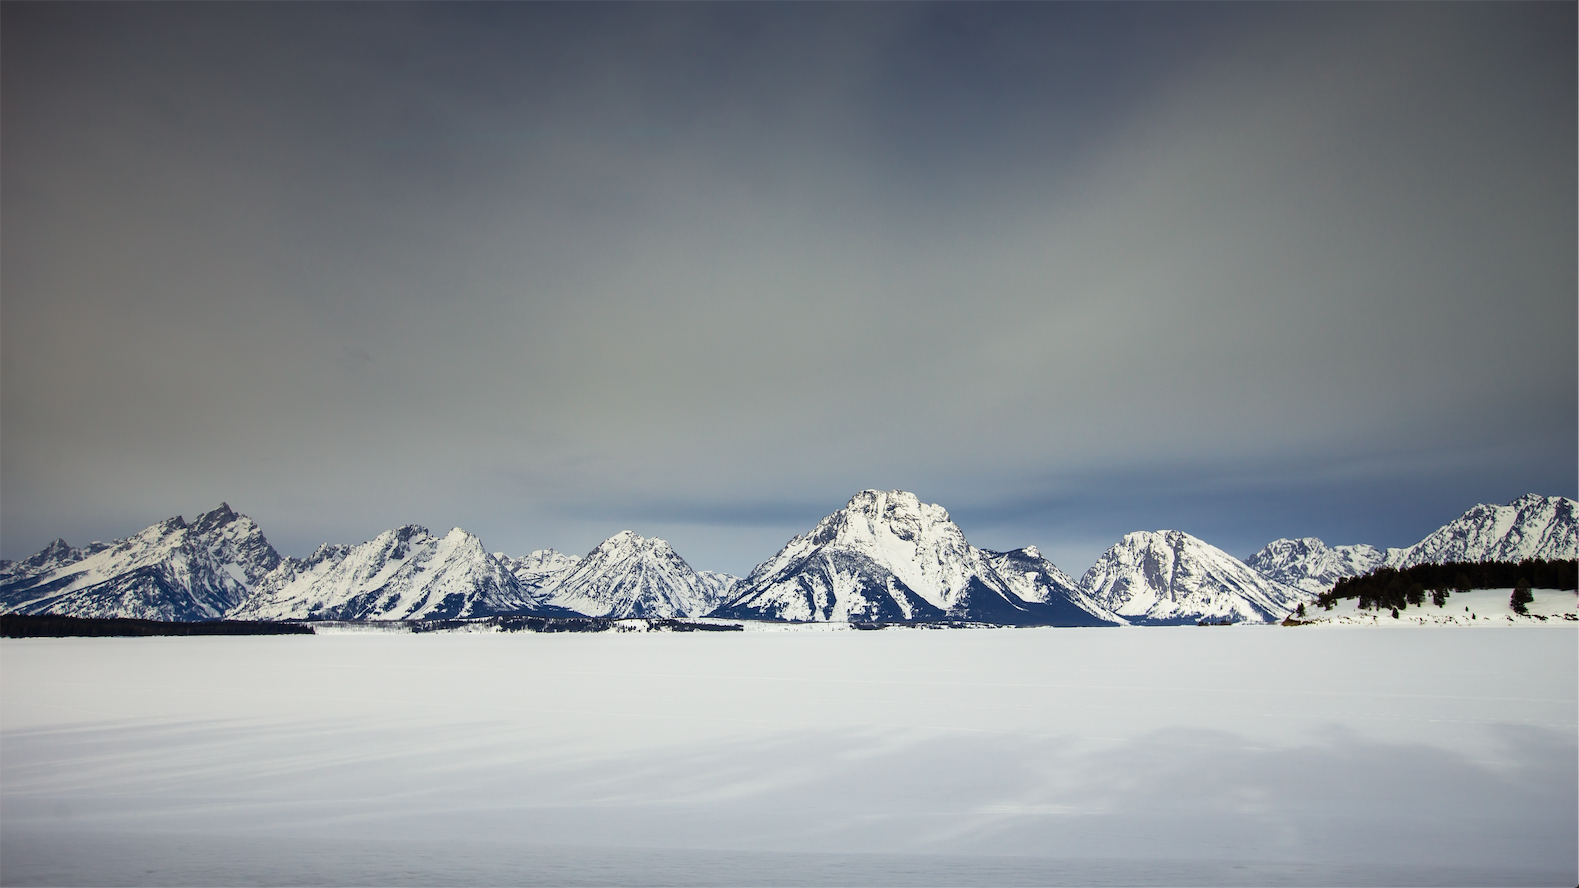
(1212,756)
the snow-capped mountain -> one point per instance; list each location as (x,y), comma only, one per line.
(888,556)
(537,569)
(402,574)
(1531,526)
(52,557)
(1037,580)
(1311,565)
(1168,576)
(170,571)
(719,584)
(633,576)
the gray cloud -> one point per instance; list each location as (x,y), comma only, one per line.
(549,272)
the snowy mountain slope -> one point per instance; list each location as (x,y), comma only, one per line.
(537,569)
(632,576)
(169,571)
(1310,565)
(1035,579)
(719,584)
(888,556)
(405,573)
(52,557)
(1531,526)
(1168,576)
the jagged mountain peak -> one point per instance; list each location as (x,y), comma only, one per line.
(537,569)
(403,573)
(874,514)
(628,575)
(1311,565)
(170,570)
(1169,576)
(215,517)
(886,555)
(1531,526)
(630,540)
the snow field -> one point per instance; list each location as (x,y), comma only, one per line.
(1477,608)
(1179,755)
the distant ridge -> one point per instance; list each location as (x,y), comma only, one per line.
(885,557)
(1532,526)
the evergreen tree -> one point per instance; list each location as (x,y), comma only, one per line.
(1521,597)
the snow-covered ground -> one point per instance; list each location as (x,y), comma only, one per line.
(1180,755)
(1480,608)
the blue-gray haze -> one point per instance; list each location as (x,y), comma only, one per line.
(702,271)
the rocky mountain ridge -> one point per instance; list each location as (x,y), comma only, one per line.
(885,556)
(168,571)
(1531,526)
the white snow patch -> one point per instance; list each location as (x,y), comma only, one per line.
(1265,755)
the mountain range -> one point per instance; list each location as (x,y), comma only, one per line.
(885,556)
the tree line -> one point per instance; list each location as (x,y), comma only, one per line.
(1389,587)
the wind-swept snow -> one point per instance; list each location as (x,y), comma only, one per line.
(1255,755)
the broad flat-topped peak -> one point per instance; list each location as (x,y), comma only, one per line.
(893,503)
(628,539)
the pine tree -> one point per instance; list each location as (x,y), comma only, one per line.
(1521,597)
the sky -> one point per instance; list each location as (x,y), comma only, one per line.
(703,271)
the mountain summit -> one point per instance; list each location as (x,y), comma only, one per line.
(1532,526)
(1168,576)
(1311,565)
(633,576)
(169,571)
(402,574)
(888,556)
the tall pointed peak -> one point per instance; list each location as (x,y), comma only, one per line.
(215,518)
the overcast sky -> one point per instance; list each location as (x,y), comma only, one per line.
(548,272)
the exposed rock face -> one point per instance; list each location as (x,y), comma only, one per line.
(1310,565)
(633,576)
(886,556)
(1531,526)
(169,571)
(1168,576)
(402,574)
(537,569)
